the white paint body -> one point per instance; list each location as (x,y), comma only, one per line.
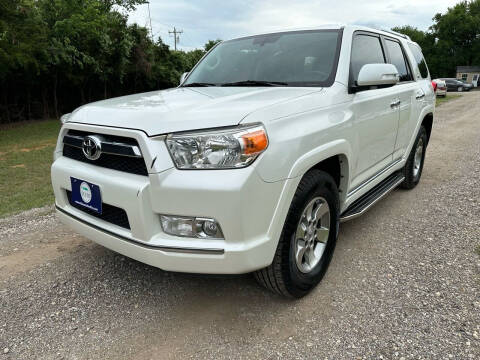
(441,87)
(305,125)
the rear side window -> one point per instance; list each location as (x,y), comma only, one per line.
(366,49)
(397,58)
(422,65)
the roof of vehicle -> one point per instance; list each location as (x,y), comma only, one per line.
(468,68)
(337,27)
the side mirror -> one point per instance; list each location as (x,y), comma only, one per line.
(183,77)
(378,75)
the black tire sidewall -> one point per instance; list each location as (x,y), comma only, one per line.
(410,180)
(422,135)
(298,283)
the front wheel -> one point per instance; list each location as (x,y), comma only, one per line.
(414,166)
(308,238)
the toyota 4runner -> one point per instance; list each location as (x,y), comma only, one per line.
(253,161)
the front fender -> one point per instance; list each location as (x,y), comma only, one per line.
(310,159)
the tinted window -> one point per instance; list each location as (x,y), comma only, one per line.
(365,50)
(422,65)
(398,59)
(298,58)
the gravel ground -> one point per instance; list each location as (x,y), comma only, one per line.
(404,283)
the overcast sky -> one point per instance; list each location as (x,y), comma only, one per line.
(202,20)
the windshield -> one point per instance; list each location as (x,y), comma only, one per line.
(298,58)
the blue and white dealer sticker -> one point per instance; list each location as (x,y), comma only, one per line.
(86,194)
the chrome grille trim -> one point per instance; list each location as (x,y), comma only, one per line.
(108,147)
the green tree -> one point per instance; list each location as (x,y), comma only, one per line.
(452,40)
(458,34)
(58,54)
(211,43)
(22,49)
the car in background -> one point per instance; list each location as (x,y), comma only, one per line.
(440,87)
(468,86)
(457,85)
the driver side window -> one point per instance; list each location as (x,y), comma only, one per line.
(366,49)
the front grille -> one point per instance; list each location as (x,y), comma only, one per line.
(128,164)
(110,213)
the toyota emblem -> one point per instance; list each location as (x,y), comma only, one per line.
(92,147)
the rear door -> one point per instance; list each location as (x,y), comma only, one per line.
(424,96)
(405,91)
(376,112)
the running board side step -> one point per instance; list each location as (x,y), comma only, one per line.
(361,205)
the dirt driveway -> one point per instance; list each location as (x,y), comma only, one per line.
(404,283)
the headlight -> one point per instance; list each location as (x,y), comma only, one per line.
(220,149)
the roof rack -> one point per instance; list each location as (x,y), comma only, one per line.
(396,33)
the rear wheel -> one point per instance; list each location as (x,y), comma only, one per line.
(414,166)
(308,238)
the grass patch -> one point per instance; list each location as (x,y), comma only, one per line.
(26,154)
(448,97)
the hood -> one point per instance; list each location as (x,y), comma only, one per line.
(181,109)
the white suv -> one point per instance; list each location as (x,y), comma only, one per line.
(254,160)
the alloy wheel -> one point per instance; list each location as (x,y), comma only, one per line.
(312,234)
(417,161)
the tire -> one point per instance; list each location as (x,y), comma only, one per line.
(460,89)
(285,276)
(413,168)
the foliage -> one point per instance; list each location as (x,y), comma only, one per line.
(58,54)
(211,43)
(452,40)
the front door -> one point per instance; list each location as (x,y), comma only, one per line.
(376,112)
(376,122)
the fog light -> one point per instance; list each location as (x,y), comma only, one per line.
(210,228)
(203,228)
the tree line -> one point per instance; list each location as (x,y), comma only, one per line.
(453,39)
(58,54)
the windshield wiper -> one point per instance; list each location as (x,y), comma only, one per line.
(255,83)
(198,84)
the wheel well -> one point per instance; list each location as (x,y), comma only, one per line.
(337,167)
(428,123)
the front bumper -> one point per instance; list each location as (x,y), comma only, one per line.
(246,207)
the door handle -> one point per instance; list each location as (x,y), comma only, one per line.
(395,103)
(420,95)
